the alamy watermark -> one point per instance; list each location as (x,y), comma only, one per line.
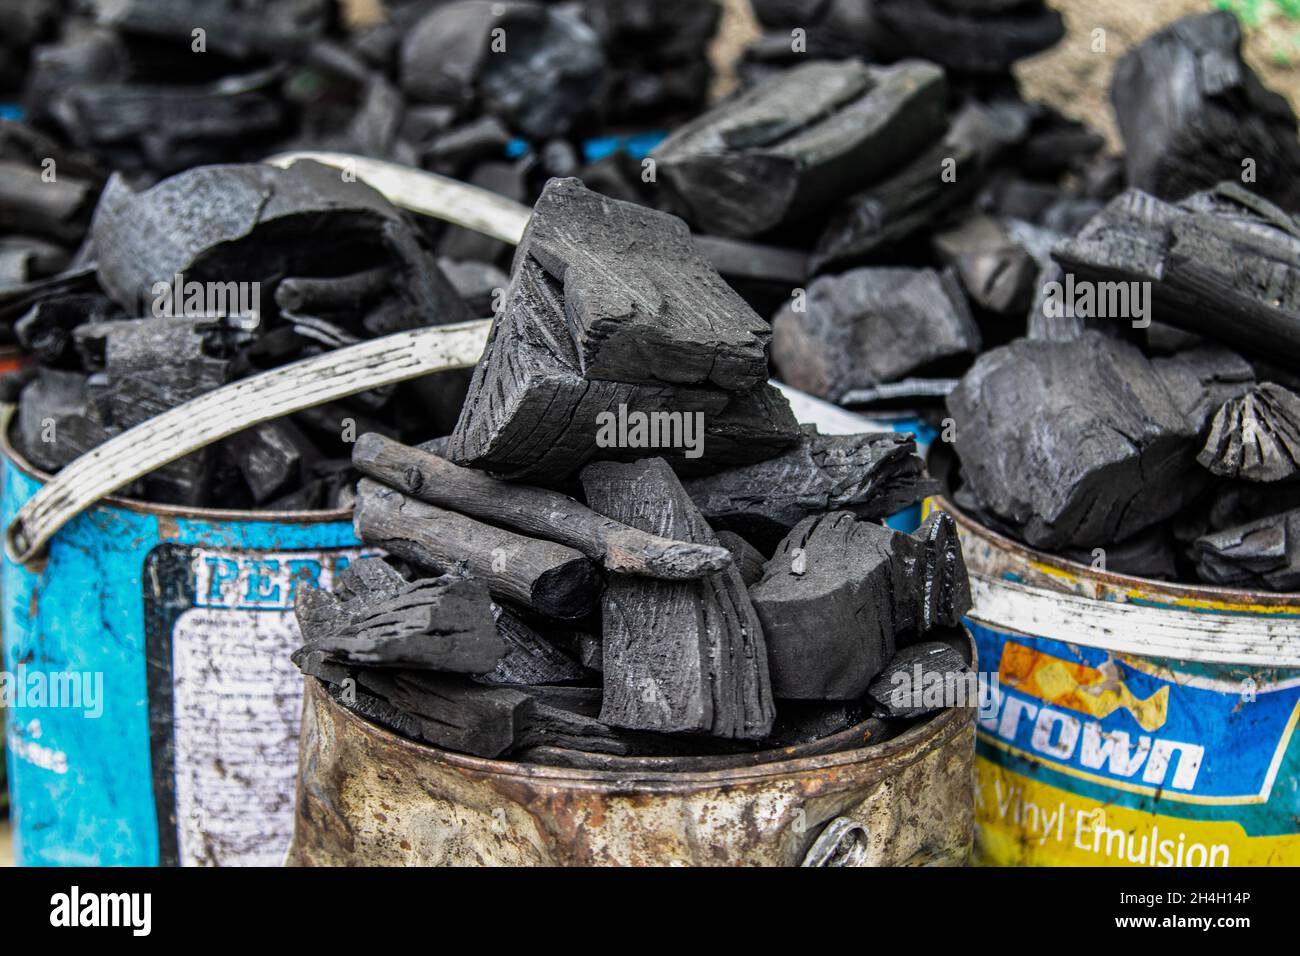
(927,689)
(239,303)
(636,429)
(30,689)
(1083,298)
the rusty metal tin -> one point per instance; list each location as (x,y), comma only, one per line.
(370,797)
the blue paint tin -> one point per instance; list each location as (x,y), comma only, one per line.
(154,711)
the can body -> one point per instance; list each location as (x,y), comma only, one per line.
(371,798)
(1138,723)
(154,711)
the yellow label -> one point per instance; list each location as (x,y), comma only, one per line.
(1027,823)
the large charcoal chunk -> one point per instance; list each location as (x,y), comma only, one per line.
(643,305)
(966,37)
(533,415)
(919,679)
(1256,436)
(873,325)
(787,148)
(1201,379)
(1073,443)
(684,656)
(257,223)
(58,419)
(231,27)
(1192,112)
(534,67)
(440,623)
(826,602)
(872,475)
(1223,263)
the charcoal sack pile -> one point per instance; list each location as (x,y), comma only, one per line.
(573,593)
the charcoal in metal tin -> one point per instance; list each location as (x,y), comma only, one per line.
(475,282)
(872,475)
(1256,436)
(1261,554)
(827,605)
(614,321)
(1191,112)
(1222,263)
(679,656)
(748,560)
(442,623)
(530,658)
(795,143)
(872,325)
(45,331)
(535,511)
(550,578)
(481,138)
(535,67)
(919,679)
(271,457)
(1147,554)
(56,208)
(1074,443)
(58,419)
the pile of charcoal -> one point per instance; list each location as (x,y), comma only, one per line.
(734,593)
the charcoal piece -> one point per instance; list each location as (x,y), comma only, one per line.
(379,711)
(915,198)
(801,722)
(1221,263)
(940,591)
(232,28)
(530,658)
(271,457)
(532,415)
(482,138)
(872,325)
(751,261)
(167,128)
(644,305)
(320,665)
(475,282)
(995,268)
(582,646)
(872,475)
(442,623)
(1073,443)
(786,149)
(827,606)
(456,55)
(24,258)
(678,656)
(58,420)
(31,202)
(1261,554)
(1148,554)
(453,713)
(966,38)
(1236,503)
(45,330)
(154,365)
(1202,379)
(368,576)
(920,679)
(1256,436)
(550,578)
(1191,112)
(256,223)
(328,295)
(748,559)
(533,511)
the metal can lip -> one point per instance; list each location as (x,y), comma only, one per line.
(668,774)
(9,451)
(1172,591)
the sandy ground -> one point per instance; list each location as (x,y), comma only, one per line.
(6,845)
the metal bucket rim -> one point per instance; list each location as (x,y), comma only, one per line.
(937,728)
(1174,590)
(9,451)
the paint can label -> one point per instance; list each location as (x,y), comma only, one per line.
(225,701)
(1094,758)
